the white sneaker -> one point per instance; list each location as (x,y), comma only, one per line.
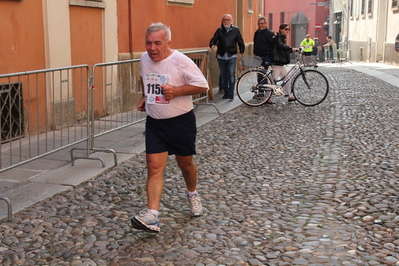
(146,221)
(195,205)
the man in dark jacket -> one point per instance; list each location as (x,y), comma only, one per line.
(264,44)
(226,39)
(263,41)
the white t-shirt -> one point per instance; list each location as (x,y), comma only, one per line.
(177,70)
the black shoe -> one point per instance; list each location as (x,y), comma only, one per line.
(225,96)
(231,97)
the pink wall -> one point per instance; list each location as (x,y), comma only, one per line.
(314,13)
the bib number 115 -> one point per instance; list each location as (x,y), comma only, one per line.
(154,89)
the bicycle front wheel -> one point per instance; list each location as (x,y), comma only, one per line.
(249,87)
(310,87)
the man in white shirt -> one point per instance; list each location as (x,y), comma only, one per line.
(169,80)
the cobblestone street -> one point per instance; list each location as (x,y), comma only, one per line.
(281,184)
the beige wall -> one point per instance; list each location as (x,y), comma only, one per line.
(371,36)
(57,33)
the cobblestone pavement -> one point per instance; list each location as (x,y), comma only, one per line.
(281,184)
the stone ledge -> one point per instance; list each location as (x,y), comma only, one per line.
(87,3)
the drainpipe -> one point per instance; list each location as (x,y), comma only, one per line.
(130,27)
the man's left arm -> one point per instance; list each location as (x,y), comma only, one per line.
(194,82)
(171,91)
(240,41)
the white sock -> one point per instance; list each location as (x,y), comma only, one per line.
(189,193)
(155,212)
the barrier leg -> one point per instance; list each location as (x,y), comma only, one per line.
(73,159)
(9,207)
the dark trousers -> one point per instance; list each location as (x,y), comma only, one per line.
(227,78)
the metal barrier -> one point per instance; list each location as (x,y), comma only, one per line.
(115,91)
(45,111)
(9,208)
(42,112)
(201,59)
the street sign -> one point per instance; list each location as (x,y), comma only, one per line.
(317,26)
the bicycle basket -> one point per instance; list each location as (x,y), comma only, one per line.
(251,61)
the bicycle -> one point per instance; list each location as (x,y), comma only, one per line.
(256,85)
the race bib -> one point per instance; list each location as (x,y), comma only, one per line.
(153,88)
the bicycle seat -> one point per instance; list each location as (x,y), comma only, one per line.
(266,64)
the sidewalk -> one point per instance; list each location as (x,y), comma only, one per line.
(45,177)
(388,73)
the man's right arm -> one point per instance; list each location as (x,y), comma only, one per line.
(141,104)
(214,40)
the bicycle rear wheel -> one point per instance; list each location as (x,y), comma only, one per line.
(249,87)
(310,87)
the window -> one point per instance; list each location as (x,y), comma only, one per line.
(282,17)
(370,7)
(395,4)
(351,8)
(260,7)
(88,3)
(270,21)
(363,10)
(250,6)
(11,111)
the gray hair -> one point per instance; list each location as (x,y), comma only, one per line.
(227,15)
(154,27)
(263,18)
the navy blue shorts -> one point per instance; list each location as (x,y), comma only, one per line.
(175,135)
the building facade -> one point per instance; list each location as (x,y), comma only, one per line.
(48,34)
(303,16)
(366,29)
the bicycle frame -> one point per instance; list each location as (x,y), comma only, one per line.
(290,74)
(278,88)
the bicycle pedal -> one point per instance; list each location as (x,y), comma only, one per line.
(278,91)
